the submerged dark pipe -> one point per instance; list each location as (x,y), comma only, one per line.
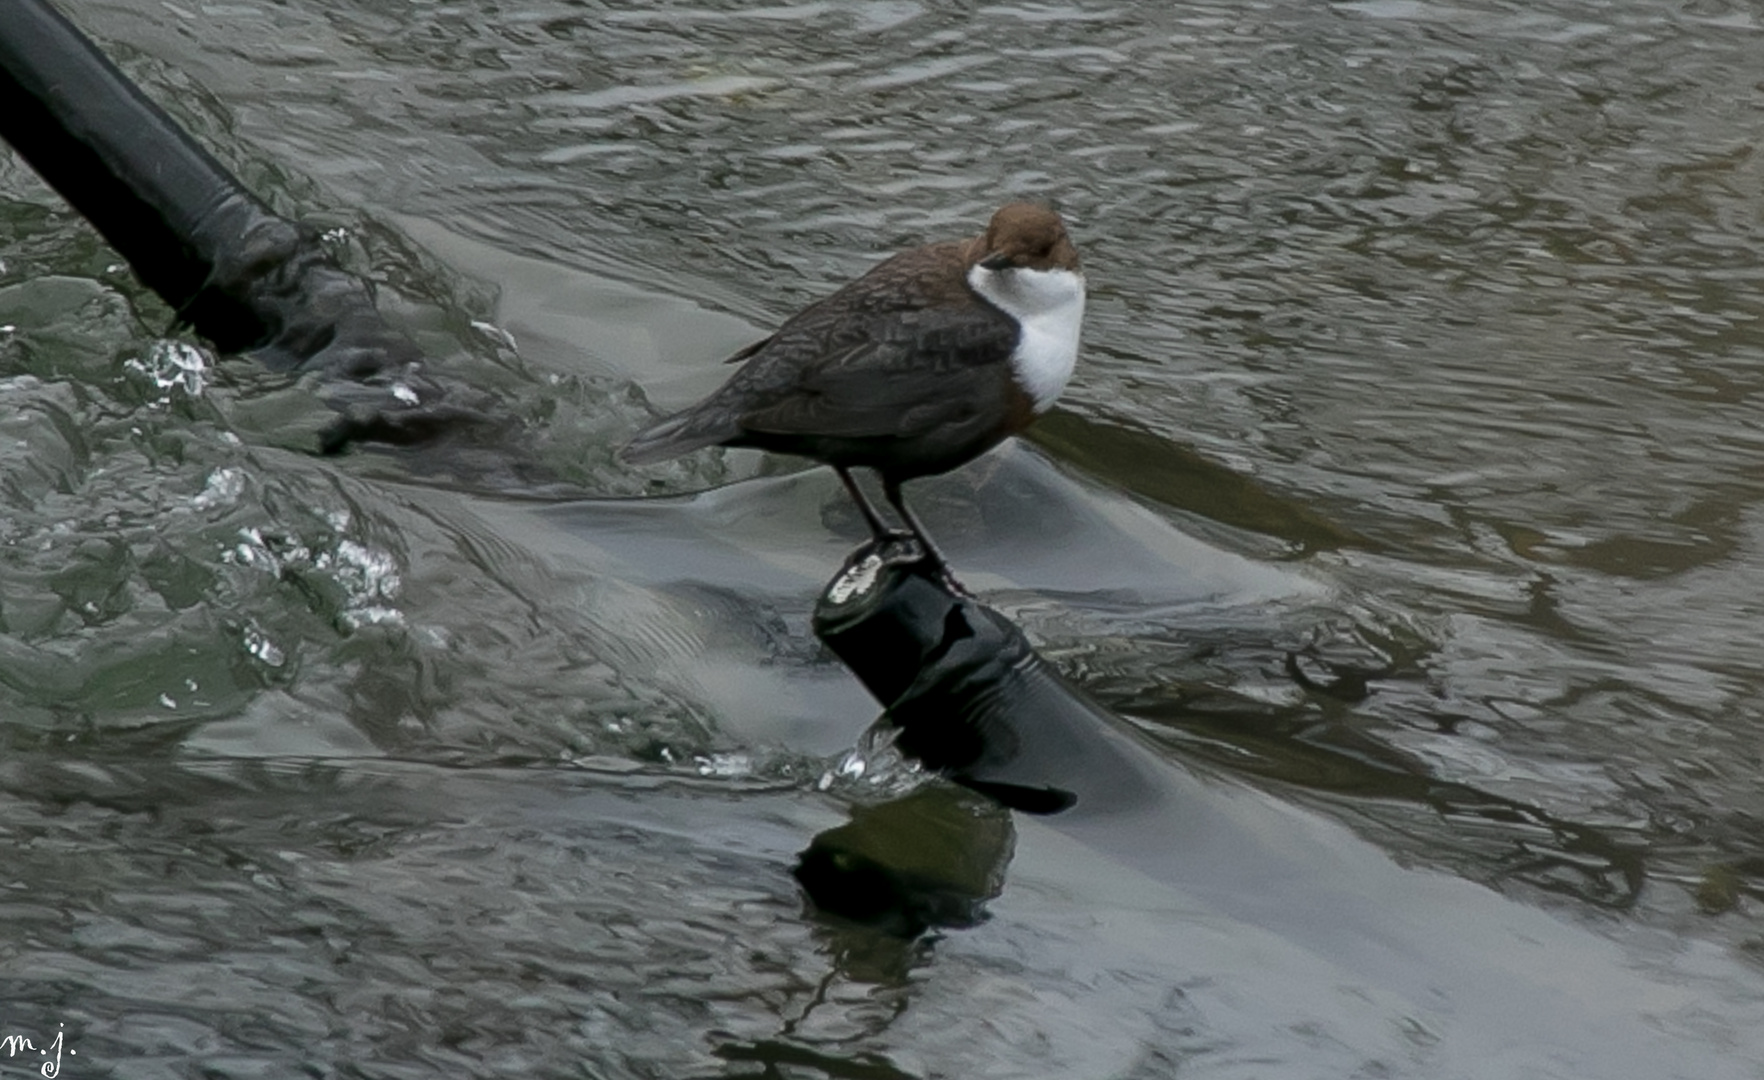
(162,201)
(241,276)
(968,697)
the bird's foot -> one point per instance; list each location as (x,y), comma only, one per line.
(896,546)
(903,546)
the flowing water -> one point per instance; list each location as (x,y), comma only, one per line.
(1410,492)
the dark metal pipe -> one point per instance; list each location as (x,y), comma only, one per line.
(170,209)
(241,276)
(969,695)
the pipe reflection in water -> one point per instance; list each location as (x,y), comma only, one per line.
(929,858)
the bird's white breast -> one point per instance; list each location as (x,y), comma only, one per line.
(1049,305)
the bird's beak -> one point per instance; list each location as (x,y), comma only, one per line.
(996,262)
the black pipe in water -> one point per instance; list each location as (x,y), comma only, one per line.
(238,274)
(968,697)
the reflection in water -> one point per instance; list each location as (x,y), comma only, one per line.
(931,858)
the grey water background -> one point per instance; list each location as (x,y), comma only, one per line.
(1409,482)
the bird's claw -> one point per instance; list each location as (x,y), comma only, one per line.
(896,546)
(903,546)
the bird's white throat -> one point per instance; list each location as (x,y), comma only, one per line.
(1049,305)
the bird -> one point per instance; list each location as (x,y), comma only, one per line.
(927,361)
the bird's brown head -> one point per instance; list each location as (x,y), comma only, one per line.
(1026,236)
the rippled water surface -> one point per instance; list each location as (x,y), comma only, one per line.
(1409,487)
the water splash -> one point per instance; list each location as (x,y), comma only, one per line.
(873,766)
(370,579)
(259,646)
(366,577)
(174,366)
(223,488)
(725,766)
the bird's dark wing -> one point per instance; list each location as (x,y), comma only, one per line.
(891,374)
(863,405)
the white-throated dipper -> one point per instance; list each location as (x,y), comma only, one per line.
(923,364)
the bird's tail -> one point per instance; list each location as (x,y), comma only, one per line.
(679,434)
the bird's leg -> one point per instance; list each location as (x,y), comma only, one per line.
(891,489)
(880,531)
